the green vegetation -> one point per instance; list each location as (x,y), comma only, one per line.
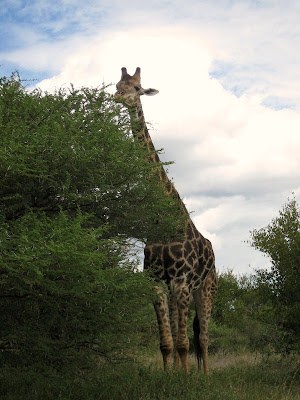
(74,150)
(72,187)
(279,288)
(76,314)
(272,380)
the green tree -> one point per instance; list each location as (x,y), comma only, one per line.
(239,314)
(74,190)
(63,295)
(280,286)
(228,303)
(74,149)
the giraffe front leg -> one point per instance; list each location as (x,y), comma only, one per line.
(174,327)
(182,344)
(166,340)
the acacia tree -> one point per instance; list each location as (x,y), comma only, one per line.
(280,286)
(74,149)
(74,187)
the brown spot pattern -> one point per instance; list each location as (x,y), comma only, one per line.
(187,266)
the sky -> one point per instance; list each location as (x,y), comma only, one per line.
(228,108)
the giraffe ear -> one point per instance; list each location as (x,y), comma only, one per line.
(150,92)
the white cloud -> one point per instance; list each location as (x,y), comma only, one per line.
(236,160)
(253,45)
(228,222)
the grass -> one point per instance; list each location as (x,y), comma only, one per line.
(216,361)
(232,378)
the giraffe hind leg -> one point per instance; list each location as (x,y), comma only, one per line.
(197,347)
(203,301)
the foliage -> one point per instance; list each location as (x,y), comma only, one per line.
(280,287)
(74,190)
(239,316)
(74,149)
(61,299)
(228,305)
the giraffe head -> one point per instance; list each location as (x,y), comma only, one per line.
(129,88)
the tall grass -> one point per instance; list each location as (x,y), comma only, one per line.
(265,380)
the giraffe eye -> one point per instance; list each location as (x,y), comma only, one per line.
(137,88)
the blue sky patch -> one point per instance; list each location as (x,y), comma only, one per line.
(277,103)
(230,76)
(26,22)
(33,77)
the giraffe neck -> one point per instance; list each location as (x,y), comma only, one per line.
(140,130)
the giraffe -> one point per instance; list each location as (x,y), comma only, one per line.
(186,265)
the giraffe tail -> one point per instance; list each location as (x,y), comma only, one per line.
(197,347)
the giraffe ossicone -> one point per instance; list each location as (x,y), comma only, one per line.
(186,265)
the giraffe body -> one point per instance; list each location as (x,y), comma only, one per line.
(186,265)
